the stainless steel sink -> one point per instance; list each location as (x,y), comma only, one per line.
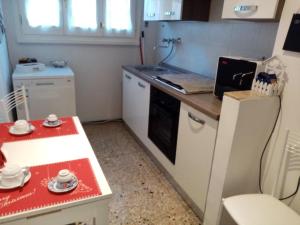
(154,70)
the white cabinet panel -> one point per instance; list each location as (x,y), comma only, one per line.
(250,9)
(195,148)
(151,10)
(162,10)
(136,99)
(141,100)
(128,105)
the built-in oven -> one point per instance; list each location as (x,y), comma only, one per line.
(163,122)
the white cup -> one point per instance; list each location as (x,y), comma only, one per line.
(64,176)
(11,175)
(52,118)
(21,126)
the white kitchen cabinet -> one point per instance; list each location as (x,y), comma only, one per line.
(151,12)
(162,10)
(136,100)
(195,149)
(252,9)
(167,10)
(170,9)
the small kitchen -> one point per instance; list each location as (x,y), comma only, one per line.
(188,112)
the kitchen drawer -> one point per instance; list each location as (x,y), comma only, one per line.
(251,9)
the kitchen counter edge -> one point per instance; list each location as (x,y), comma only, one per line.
(206,103)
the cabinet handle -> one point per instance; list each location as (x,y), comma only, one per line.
(169,13)
(245,9)
(141,85)
(45,84)
(196,119)
(128,77)
(150,14)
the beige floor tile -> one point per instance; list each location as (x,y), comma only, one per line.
(141,193)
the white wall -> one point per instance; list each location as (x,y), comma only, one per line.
(97,68)
(4,66)
(203,43)
(290,117)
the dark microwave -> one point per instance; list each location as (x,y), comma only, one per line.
(235,74)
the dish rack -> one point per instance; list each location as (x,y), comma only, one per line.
(271,87)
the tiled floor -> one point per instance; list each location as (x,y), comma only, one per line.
(142,195)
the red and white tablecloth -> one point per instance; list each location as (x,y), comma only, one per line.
(67,128)
(35,194)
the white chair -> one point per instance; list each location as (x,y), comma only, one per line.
(11,101)
(264,209)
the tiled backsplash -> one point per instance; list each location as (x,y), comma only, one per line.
(203,43)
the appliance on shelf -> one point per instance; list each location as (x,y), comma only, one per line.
(236,74)
(51,90)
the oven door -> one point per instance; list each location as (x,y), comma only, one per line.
(163,123)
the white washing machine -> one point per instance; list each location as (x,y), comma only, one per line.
(48,91)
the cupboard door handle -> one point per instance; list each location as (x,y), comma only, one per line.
(141,85)
(169,13)
(150,14)
(245,8)
(44,84)
(196,119)
(128,77)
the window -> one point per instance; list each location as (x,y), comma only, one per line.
(118,16)
(79,21)
(82,14)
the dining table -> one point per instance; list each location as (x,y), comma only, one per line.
(45,151)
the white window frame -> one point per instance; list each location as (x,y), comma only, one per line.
(27,34)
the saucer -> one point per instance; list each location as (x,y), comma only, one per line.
(56,124)
(53,185)
(13,131)
(27,178)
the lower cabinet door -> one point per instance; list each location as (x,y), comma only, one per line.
(128,93)
(195,148)
(141,99)
(136,100)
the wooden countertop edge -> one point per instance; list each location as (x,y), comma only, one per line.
(205,103)
(244,95)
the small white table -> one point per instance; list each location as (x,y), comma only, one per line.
(93,211)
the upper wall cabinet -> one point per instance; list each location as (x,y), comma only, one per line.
(173,10)
(252,9)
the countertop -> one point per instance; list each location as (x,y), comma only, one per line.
(206,103)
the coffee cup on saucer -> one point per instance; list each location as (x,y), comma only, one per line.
(65,181)
(52,119)
(11,175)
(21,126)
